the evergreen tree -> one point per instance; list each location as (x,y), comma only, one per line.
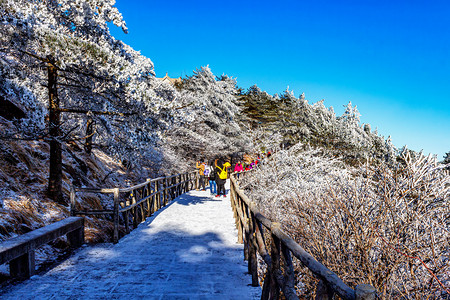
(314,124)
(446,158)
(206,123)
(92,86)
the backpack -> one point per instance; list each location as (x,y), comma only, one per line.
(223,173)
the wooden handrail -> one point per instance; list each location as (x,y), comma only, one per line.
(249,222)
(93,190)
(19,251)
(139,185)
(131,205)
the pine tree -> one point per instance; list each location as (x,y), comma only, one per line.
(207,119)
(446,158)
(90,78)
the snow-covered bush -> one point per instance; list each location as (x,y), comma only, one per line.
(382,225)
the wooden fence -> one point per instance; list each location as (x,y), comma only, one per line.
(19,251)
(132,205)
(251,225)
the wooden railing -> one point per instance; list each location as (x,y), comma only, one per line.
(19,251)
(252,225)
(132,205)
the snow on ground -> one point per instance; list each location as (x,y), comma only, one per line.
(187,250)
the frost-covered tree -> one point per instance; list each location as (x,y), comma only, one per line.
(351,114)
(58,57)
(314,124)
(446,158)
(207,117)
(258,107)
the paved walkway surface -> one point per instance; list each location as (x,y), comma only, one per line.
(187,250)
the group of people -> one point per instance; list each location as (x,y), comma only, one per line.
(241,166)
(216,172)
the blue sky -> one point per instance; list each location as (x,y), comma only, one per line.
(390,58)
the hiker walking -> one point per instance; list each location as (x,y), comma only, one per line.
(222,174)
(201,166)
(212,177)
(238,168)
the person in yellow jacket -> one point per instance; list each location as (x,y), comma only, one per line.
(201,166)
(221,176)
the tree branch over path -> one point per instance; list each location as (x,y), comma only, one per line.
(107,113)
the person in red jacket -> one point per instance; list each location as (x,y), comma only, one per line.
(238,168)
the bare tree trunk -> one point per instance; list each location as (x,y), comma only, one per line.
(54,190)
(89,134)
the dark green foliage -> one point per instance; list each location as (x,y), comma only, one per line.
(447,158)
(313,124)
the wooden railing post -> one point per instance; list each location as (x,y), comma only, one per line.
(245,234)
(155,198)
(142,196)
(116,216)
(169,190)
(161,192)
(186,182)
(240,231)
(197,178)
(183,183)
(134,210)
(173,189)
(76,237)
(188,179)
(275,247)
(252,259)
(149,191)
(23,266)
(166,192)
(179,185)
(235,203)
(289,277)
(72,200)
(232,194)
(177,189)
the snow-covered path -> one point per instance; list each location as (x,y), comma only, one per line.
(187,250)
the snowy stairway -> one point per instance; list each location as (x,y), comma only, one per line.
(187,250)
